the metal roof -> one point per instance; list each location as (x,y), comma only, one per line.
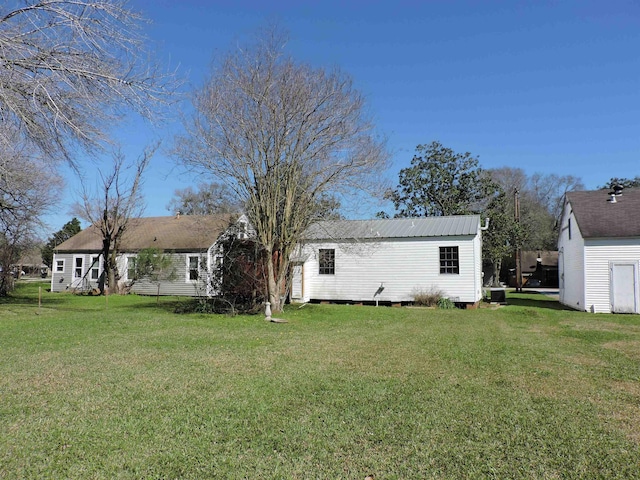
(599,217)
(176,233)
(395,228)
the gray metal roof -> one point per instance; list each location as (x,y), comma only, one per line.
(394,228)
(598,217)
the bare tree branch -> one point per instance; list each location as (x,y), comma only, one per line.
(286,138)
(69,68)
(116,200)
(27,191)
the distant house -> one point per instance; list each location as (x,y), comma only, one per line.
(539,269)
(599,251)
(390,260)
(189,239)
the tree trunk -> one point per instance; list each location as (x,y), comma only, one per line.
(104,276)
(273,290)
(497,266)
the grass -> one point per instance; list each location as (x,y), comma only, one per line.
(128,389)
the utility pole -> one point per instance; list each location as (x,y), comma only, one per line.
(518,252)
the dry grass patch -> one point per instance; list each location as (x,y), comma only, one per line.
(630,348)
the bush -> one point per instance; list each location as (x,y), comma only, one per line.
(445,303)
(427,298)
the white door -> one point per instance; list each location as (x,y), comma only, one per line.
(296,282)
(624,287)
(78,271)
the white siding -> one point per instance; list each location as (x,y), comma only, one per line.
(571,266)
(403,266)
(598,255)
(584,266)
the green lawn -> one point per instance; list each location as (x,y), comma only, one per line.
(128,389)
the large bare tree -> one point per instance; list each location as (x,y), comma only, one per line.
(116,200)
(70,67)
(286,137)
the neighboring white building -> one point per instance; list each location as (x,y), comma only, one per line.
(190,239)
(599,251)
(390,260)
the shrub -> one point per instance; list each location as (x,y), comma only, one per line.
(427,298)
(445,303)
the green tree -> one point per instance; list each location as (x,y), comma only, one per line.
(67,231)
(623,182)
(502,236)
(153,265)
(441,182)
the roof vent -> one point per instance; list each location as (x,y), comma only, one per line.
(617,191)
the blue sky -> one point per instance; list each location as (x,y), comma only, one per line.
(548,86)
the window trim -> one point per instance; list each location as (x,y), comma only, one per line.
(449,260)
(326,266)
(60,264)
(75,268)
(189,269)
(95,267)
(135,267)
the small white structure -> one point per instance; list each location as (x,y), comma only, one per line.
(599,251)
(390,260)
(191,240)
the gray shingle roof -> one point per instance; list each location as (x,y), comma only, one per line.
(598,217)
(183,233)
(394,228)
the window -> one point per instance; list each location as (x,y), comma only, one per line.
(132,271)
(193,265)
(78,264)
(327,261)
(59,265)
(569,227)
(95,267)
(449,260)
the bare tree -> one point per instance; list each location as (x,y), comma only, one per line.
(208,199)
(285,137)
(27,191)
(71,67)
(111,207)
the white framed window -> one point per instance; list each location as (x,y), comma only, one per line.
(193,267)
(132,268)
(95,267)
(60,265)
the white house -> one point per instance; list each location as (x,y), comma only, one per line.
(190,240)
(599,251)
(390,260)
